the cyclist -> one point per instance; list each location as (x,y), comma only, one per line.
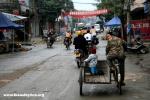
(115,49)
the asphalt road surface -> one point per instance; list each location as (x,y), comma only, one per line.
(52,74)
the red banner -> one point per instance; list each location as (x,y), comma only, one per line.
(85,14)
(142,28)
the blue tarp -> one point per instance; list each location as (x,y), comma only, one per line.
(113,22)
(6,23)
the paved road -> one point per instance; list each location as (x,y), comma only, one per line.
(53,72)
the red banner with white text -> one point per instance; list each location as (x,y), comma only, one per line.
(142,27)
(85,14)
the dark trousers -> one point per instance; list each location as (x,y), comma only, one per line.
(121,61)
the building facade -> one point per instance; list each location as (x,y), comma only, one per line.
(140,19)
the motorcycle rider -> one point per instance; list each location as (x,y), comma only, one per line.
(51,35)
(115,49)
(93,31)
(80,43)
(68,38)
(88,36)
(95,40)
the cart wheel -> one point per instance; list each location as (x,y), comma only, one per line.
(115,75)
(81,81)
(119,83)
(120,88)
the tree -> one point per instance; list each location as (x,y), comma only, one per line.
(116,7)
(49,10)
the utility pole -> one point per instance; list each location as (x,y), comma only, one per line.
(128,23)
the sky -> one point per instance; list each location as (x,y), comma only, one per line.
(84,6)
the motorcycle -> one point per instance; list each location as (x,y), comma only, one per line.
(138,48)
(89,46)
(50,41)
(67,43)
(79,57)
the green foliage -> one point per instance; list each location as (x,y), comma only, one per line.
(51,9)
(115,6)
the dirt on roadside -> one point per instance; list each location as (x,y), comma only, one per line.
(6,78)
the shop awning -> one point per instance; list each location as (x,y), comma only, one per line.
(115,21)
(13,17)
(6,23)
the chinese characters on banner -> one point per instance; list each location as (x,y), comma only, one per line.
(85,14)
(141,28)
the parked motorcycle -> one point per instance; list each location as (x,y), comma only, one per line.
(138,48)
(79,57)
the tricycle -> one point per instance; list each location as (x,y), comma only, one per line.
(105,75)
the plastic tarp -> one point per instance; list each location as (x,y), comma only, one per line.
(114,22)
(13,17)
(6,23)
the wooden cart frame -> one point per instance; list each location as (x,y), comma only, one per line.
(108,77)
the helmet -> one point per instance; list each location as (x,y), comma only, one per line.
(78,33)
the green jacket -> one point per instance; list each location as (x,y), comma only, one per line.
(115,47)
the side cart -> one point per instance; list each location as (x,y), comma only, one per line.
(108,77)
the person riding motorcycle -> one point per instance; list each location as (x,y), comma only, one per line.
(51,35)
(115,50)
(68,34)
(80,43)
(88,36)
(68,38)
(95,40)
(93,31)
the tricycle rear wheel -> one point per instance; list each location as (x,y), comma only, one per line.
(81,82)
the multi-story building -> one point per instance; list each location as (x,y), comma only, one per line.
(138,9)
(140,18)
(11,6)
(28,7)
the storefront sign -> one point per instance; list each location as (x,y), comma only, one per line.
(141,28)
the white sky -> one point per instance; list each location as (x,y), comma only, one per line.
(84,6)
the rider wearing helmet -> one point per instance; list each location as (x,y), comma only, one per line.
(80,43)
